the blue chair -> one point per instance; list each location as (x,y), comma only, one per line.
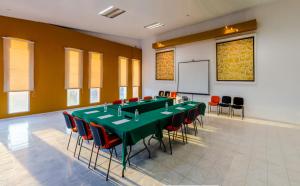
(70,123)
(84,133)
(103,140)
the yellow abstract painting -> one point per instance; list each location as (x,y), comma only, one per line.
(165,65)
(235,60)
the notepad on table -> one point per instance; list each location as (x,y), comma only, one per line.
(91,112)
(105,116)
(180,108)
(120,121)
(191,104)
(166,112)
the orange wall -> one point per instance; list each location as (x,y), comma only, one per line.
(49,42)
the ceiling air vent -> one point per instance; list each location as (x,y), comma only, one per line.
(111,12)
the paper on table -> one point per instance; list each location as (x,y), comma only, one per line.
(166,112)
(191,104)
(120,121)
(105,116)
(91,112)
(180,108)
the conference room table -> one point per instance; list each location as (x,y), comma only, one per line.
(130,130)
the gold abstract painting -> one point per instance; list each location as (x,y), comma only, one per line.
(165,65)
(235,60)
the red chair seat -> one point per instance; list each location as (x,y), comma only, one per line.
(213,104)
(113,140)
(187,121)
(74,129)
(172,128)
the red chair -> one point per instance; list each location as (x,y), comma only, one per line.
(117,102)
(84,132)
(147,97)
(133,99)
(173,95)
(191,119)
(103,140)
(214,102)
(70,125)
(177,121)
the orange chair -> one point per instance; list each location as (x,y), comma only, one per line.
(117,102)
(214,102)
(173,95)
(147,97)
(133,99)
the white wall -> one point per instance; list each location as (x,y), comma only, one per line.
(276,93)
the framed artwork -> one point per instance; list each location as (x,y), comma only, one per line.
(235,60)
(165,65)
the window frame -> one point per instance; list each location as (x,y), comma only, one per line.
(8,101)
(126,92)
(99,97)
(78,97)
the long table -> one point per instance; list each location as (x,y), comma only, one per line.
(151,122)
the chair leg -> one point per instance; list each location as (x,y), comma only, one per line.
(69,140)
(183,138)
(76,145)
(109,165)
(80,148)
(116,152)
(201,121)
(91,155)
(243,113)
(170,142)
(128,156)
(185,132)
(150,140)
(96,157)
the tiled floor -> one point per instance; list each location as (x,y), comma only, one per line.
(225,152)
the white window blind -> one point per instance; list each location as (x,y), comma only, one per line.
(18,65)
(73,68)
(123,72)
(95,70)
(136,72)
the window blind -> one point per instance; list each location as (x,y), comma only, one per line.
(18,65)
(136,72)
(95,70)
(123,72)
(73,68)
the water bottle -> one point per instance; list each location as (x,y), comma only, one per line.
(119,111)
(136,115)
(122,102)
(167,106)
(105,107)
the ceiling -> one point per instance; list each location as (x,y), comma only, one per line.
(82,14)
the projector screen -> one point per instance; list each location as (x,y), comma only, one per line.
(193,77)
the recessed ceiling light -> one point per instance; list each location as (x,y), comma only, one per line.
(105,10)
(154,25)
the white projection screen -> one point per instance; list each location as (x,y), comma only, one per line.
(193,77)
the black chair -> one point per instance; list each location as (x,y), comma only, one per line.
(167,93)
(185,98)
(161,93)
(238,104)
(226,102)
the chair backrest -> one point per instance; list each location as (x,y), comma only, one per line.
(226,99)
(99,133)
(119,101)
(147,97)
(238,101)
(173,94)
(161,93)
(185,98)
(69,120)
(167,93)
(133,99)
(82,127)
(215,99)
(201,109)
(178,119)
(192,114)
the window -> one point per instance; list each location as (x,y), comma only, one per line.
(136,77)
(95,76)
(94,95)
(123,92)
(73,75)
(135,92)
(123,77)
(18,73)
(73,97)
(18,102)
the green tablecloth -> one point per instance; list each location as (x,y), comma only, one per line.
(145,106)
(131,132)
